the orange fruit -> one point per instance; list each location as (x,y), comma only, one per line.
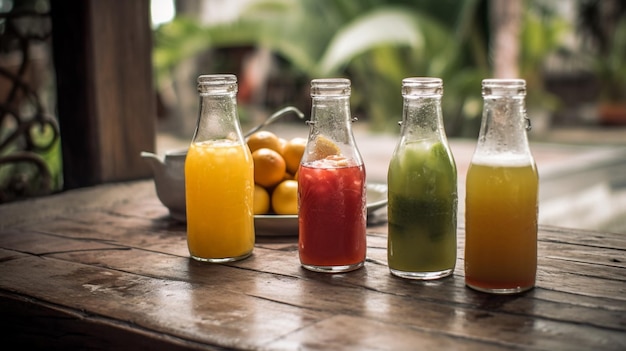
(269,167)
(325,147)
(261,202)
(283,142)
(292,153)
(285,198)
(264,139)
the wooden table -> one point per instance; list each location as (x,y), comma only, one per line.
(106,268)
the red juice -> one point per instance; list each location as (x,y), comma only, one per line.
(332,214)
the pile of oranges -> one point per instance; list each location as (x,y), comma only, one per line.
(276,162)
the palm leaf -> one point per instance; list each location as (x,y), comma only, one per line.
(379,28)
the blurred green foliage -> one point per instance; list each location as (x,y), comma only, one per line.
(375,43)
(35,172)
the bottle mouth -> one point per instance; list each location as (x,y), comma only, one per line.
(503,87)
(422,86)
(330,87)
(217,84)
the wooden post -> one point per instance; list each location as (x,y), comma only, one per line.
(106,100)
(506,19)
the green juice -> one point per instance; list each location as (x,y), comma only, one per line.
(422,210)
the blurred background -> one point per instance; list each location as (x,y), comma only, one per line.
(570,52)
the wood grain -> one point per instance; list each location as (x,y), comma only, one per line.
(105,90)
(109,269)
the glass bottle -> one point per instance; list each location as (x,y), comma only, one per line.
(331,185)
(501,195)
(422,188)
(219,177)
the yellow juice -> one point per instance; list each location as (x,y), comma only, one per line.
(501,226)
(219,186)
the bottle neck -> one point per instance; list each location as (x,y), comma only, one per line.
(330,116)
(218,118)
(503,126)
(331,125)
(422,118)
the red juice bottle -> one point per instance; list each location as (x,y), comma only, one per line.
(331,185)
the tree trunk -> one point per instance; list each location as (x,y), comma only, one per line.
(506,19)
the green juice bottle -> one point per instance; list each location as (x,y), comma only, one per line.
(422,188)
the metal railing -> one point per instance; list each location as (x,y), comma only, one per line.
(26,129)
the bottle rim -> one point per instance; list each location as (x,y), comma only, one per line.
(216,79)
(330,87)
(217,84)
(503,87)
(422,86)
(425,82)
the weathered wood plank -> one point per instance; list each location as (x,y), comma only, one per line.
(38,325)
(73,202)
(39,244)
(582,237)
(164,236)
(352,333)
(113,262)
(102,52)
(443,292)
(104,288)
(190,311)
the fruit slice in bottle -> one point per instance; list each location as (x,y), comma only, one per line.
(324,147)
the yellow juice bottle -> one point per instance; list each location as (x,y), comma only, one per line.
(219,177)
(501,226)
(501,203)
(219,197)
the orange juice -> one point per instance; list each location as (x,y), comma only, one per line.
(501,226)
(219,186)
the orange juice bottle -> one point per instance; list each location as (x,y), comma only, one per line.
(501,202)
(219,177)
